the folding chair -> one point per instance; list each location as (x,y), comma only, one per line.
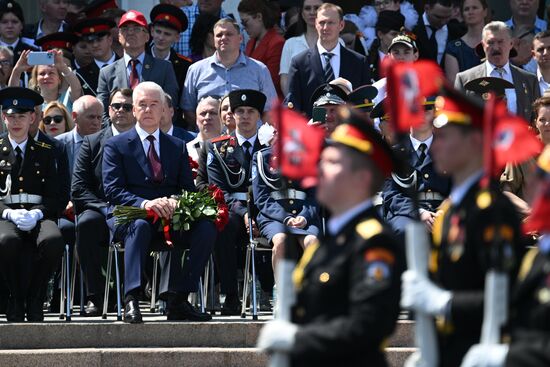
(114,248)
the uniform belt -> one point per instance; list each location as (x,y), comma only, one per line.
(22,198)
(430,195)
(288,194)
(239,196)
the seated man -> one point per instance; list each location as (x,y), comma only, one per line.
(143,167)
(31,245)
(89,200)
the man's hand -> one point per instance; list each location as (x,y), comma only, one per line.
(163,207)
(298,222)
(255,231)
(428,218)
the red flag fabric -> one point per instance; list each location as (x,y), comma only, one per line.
(407,85)
(298,147)
(513,142)
(538,221)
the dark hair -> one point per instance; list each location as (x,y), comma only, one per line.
(537,105)
(203,25)
(253,7)
(445,3)
(543,34)
(300,27)
(360,161)
(483,3)
(126,92)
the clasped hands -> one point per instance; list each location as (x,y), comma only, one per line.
(24,219)
(164,207)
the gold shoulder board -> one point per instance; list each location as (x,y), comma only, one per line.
(369,228)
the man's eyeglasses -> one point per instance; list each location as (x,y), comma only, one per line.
(57,119)
(125,106)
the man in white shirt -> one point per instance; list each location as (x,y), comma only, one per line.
(541,53)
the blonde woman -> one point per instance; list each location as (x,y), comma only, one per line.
(56,119)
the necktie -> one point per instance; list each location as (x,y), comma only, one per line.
(134,77)
(247,155)
(433,41)
(18,158)
(422,153)
(329,73)
(500,72)
(154,161)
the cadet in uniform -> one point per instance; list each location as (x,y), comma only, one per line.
(420,175)
(31,245)
(228,165)
(362,99)
(347,284)
(475,224)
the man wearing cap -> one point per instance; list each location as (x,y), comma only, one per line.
(325,61)
(388,26)
(31,244)
(96,33)
(136,65)
(90,204)
(13,21)
(52,21)
(326,99)
(362,100)
(475,224)
(228,165)
(227,70)
(143,167)
(347,286)
(497,44)
(430,187)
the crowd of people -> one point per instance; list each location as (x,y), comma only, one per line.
(106,107)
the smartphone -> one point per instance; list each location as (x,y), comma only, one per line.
(40,58)
(319,114)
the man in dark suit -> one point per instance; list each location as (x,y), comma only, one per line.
(325,61)
(96,33)
(144,167)
(52,21)
(88,197)
(135,66)
(167,125)
(497,43)
(433,30)
(228,167)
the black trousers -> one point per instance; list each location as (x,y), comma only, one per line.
(228,251)
(28,259)
(92,236)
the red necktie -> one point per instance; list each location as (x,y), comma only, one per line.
(154,161)
(134,77)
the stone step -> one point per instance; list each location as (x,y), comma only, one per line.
(155,332)
(137,357)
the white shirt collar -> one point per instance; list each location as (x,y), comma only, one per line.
(127,58)
(416,143)
(21,145)
(144,134)
(167,58)
(76,136)
(40,33)
(12,45)
(170,131)
(540,77)
(490,67)
(335,51)
(242,139)
(108,62)
(114,130)
(336,223)
(458,192)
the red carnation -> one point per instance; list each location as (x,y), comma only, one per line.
(223,217)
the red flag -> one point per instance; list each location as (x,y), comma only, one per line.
(298,147)
(407,85)
(538,221)
(513,142)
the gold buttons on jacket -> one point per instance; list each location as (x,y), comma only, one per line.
(291,202)
(294,212)
(21,178)
(324,277)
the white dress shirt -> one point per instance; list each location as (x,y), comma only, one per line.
(441,36)
(242,139)
(511,92)
(139,66)
(100,64)
(543,84)
(21,146)
(416,143)
(143,137)
(334,61)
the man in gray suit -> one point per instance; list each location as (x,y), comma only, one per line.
(497,43)
(135,66)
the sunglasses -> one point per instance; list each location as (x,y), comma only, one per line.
(125,106)
(48,119)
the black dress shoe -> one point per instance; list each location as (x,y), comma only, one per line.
(15,311)
(231,306)
(93,309)
(183,310)
(35,309)
(132,315)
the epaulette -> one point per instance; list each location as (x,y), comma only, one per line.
(42,144)
(369,228)
(184,57)
(220,138)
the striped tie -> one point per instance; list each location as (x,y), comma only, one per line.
(329,73)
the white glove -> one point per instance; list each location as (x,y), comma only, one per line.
(25,222)
(277,336)
(485,355)
(35,214)
(421,295)
(13,214)
(414,360)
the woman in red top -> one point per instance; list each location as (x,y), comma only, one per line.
(266,44)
